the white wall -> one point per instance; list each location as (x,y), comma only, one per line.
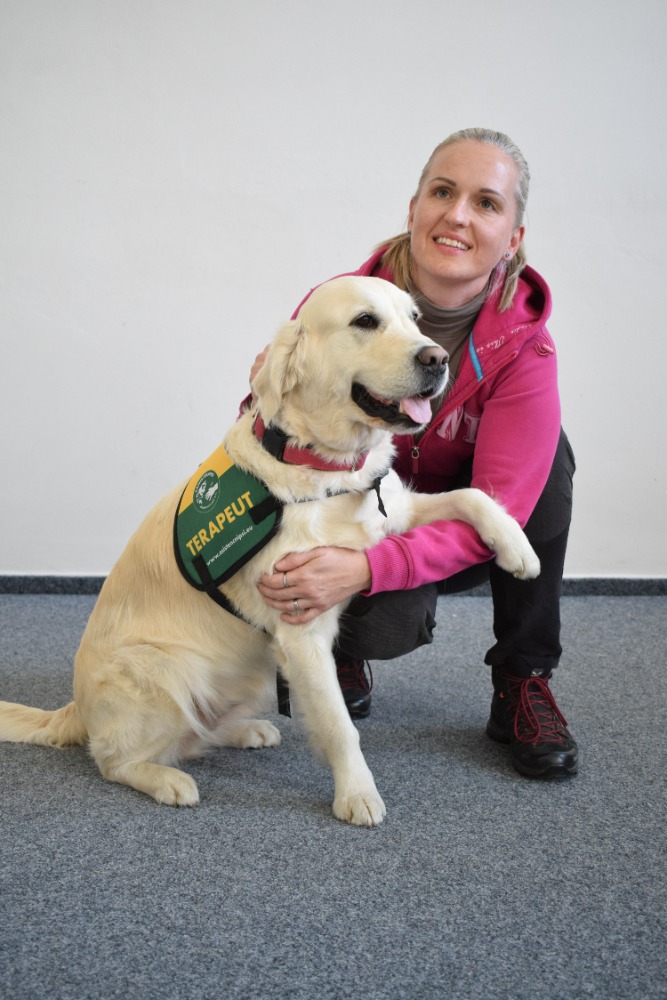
(175,174)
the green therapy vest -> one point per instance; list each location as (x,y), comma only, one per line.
(224,517)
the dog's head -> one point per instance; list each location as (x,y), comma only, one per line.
(353,358)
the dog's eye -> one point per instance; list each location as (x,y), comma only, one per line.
(367,321)
(415,315)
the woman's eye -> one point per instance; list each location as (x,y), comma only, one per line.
(367,321)
(441,192)
(487,204)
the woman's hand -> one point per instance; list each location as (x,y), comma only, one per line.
(304,584)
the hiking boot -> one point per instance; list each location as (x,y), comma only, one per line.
(356,687)
(524,714)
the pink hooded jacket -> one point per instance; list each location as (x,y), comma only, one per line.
(504,411)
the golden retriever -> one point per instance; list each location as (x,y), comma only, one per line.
(162,672)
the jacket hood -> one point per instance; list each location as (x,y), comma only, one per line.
(497,334)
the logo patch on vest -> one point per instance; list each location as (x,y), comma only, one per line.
(224,517)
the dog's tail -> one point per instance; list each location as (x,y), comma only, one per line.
(61,728)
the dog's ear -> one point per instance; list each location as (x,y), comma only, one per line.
(281,370)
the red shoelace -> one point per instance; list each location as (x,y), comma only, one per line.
(352,675)
(537,717)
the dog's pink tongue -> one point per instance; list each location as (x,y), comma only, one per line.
(418,410)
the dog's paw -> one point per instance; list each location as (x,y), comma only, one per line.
(529,568)
(259,733)
(360,809)
(169,786)
(249,734)
(512,549)
(519,560)
(176,789)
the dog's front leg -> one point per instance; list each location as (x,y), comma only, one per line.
(497,529)
(305,658)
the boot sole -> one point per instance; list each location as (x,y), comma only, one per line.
(564,767)
(359,711)
(564,770)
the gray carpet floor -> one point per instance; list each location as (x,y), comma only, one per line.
(480,883)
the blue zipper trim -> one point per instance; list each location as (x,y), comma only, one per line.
(475,360)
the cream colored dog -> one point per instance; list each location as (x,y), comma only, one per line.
(162,672)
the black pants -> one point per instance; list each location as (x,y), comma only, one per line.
(526,613)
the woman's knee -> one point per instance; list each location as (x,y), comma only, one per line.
(390,624)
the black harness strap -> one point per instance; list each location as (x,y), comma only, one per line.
(376,487)
(213,592)
(262,510)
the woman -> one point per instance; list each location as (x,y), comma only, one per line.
(497,428)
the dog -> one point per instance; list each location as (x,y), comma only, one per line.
(162,672)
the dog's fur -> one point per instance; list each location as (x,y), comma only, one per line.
(162,672)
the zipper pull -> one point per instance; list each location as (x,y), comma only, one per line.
(415,459)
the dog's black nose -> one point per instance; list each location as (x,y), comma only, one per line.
(433,357)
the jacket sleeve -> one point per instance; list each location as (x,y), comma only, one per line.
(516,442)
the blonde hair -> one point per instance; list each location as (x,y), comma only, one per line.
(398,255)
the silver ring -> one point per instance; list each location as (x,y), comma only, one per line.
(295,604)
(285,583)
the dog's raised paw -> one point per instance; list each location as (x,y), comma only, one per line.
(523,569)
(520,561)
(517,557)
(529,567)
(362,809)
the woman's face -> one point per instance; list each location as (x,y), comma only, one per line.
(463,221)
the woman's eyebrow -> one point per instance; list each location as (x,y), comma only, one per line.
(494,192)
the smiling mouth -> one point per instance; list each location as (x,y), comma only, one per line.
(446,242)
(411,412)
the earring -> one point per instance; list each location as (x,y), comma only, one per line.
(409,232)
(508,255)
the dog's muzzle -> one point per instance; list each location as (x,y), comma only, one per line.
(408,412)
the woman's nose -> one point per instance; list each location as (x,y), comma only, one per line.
(457,211)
